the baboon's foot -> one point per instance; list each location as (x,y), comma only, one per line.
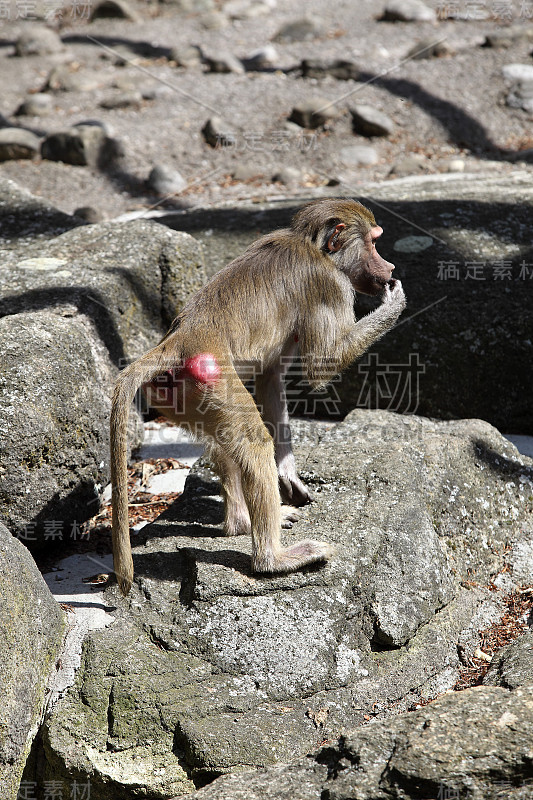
(289,515)
(290,559)
(237,522)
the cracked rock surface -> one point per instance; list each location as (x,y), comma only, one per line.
(208,669)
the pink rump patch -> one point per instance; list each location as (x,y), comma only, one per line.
(203,368)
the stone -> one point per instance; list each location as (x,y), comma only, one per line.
(409,165)
(247,9)
(219,133)
(18,143)
(32,626)
(408,11)
(213,21)
(132,82)
(156,92)
(512,666)
(356,155)
(82,145)
(316,112)
(413,244)
(166,180)
(65,78)
(509,36)
(299,30)
(430,48)
(518,72)
(336,68)
(265,58)
(245,172)
(453,747)
(521,96)
(456,165)
(38,41)
(369,121)
(288,175)
(191,6)
(114,9)
(89,214)
(35,105)
(223,63)
(186,56)
(250,671)
(122,100)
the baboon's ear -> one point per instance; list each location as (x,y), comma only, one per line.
(333,242)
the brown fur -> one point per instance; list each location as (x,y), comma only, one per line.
(290,285)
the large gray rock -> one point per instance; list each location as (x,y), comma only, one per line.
(55,384)
(130,279)
(463,346)
(31,631)
(475,744)
(253,670)
(72,310)
(512,666)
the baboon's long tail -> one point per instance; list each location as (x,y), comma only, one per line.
(129,380)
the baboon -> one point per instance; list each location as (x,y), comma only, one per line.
(291,291)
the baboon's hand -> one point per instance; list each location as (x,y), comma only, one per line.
(393,294)
(293,492)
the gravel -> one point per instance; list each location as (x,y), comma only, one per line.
(444,109)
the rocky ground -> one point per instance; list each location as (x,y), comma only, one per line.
(153,81)
(218,119)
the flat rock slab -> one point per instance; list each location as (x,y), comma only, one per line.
(209,669)
(475,744)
